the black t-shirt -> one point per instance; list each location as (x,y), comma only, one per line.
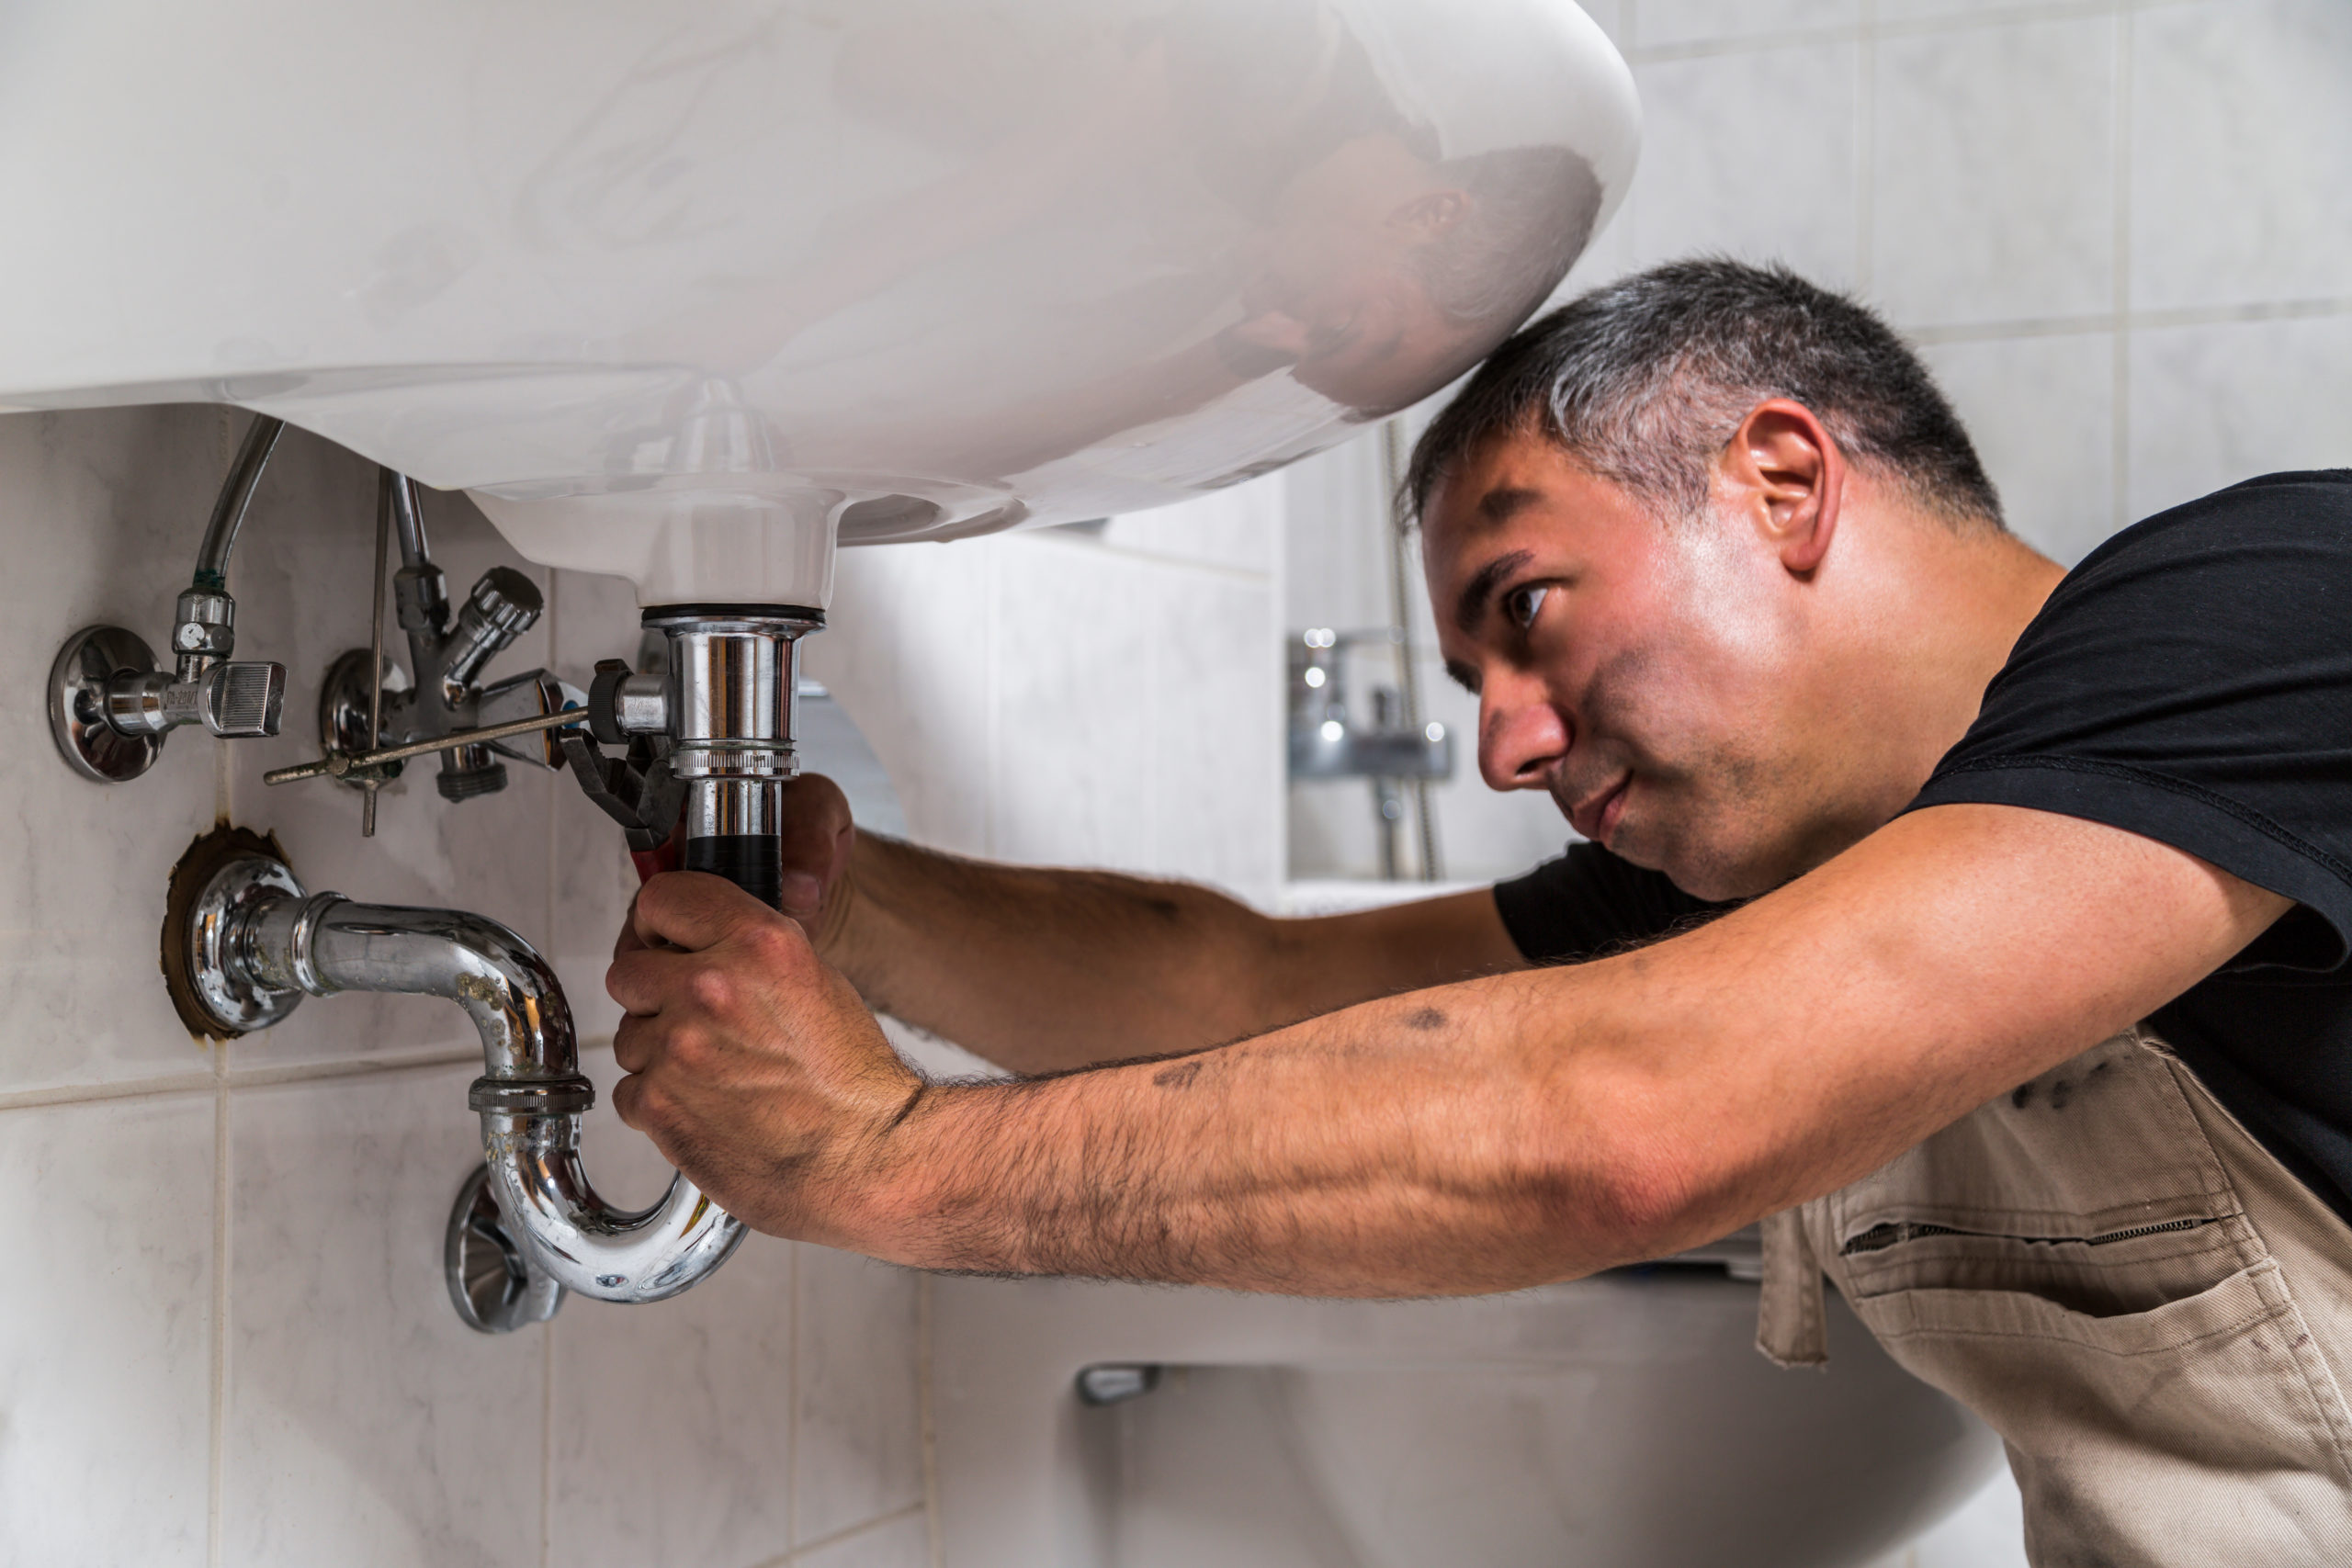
(2190,682)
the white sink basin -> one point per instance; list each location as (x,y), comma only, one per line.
(1625,1420)
(682,290)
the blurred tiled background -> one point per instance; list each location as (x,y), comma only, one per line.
(2113,228)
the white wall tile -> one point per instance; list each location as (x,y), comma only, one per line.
(364,1424)
(673,1422)
(1664,22)
(1992,172)
(1750,154)
(908,650)
(2042,412)
(104,512)
(2212,405)
(1334,573)
(2241,152)
(1065,786)
(105,1343)
(1238,528)
(860,1449)
(1213,771)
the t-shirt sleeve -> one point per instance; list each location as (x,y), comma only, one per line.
(1590,902)
(2191,682)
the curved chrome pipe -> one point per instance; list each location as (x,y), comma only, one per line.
(531,1094)
(236,494)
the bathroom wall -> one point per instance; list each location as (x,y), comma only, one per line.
(225,1337)
(2114,230)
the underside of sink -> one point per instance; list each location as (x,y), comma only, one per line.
(1625,1420)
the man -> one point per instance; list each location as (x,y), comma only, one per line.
(1967,848)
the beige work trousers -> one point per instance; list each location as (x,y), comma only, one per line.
(2149,1309)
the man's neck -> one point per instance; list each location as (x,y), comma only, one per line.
(1971,596)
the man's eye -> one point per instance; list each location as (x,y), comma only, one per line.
(1521,605)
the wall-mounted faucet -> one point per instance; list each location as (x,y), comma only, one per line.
(111,707)
(1328,742)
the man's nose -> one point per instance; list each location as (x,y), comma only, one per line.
(1520,738)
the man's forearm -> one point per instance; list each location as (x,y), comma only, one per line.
(1399,1148)
(1045,970)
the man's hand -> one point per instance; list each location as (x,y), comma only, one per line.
(755,1066)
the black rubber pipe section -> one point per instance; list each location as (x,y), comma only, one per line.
(752,862)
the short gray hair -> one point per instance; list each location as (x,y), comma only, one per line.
(1643,380)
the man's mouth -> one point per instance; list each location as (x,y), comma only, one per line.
(1596,817)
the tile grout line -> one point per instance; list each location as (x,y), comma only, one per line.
(2119,416)
(847,1532)
(1866,149)
(216,1475)
(547,1444)
(1637,55)
(2135,320)
(1042,538)
(220,1074)
(927,1413)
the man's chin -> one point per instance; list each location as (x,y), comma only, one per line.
(1700,870)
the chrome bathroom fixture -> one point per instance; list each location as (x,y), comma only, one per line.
(710,738)
(249,943)
(111,707)
(1327,742)
(443,700)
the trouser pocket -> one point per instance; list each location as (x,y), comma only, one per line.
(2204,1430)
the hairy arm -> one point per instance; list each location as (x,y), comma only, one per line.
(1045,970)
(1479,1136)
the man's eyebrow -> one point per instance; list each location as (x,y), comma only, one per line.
(1471,604)
(1462,675)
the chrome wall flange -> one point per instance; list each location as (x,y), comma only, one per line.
(492,1283)
(85,667)
(228,991)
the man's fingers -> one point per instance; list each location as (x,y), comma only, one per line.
(628,1094)
(628,941)
(643,981)
(691,909)
(634,1044)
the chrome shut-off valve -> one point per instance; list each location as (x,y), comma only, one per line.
(449,649)
(111,704)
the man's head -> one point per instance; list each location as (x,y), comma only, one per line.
(1722,565)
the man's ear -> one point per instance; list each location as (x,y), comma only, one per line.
(1427,216)
(1786,477)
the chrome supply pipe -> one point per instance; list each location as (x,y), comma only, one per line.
(204,632)
(260,944)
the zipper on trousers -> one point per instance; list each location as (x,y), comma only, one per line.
(1893,1233)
